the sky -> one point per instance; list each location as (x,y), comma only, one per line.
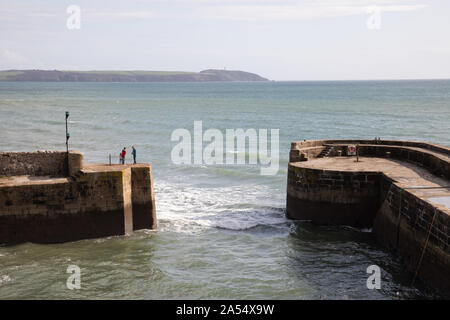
(277,39)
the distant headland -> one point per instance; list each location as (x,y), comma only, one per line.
(128,76)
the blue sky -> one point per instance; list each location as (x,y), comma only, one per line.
(278,39)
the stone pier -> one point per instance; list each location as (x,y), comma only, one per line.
(401,189)
(46,199)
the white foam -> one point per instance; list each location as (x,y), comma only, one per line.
(4,279)
(187,208)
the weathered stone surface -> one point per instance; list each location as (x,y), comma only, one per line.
(389,189)
(95,201)
(39,163)
(143,198)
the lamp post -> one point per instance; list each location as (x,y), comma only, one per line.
(357,152)
(67,142)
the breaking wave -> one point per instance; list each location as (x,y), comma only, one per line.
(187,208)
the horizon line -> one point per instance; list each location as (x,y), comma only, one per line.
(268,80)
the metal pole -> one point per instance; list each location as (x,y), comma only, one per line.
(67,142)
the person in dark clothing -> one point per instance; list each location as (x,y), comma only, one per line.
(134,154)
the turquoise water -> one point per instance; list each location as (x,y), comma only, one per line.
(222,231)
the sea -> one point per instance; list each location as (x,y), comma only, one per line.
(222,231)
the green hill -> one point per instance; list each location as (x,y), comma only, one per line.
(128,76)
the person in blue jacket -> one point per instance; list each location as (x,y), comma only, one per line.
(134,154)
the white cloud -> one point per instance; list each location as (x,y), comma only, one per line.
(121,15)
(308,10)
(98,14)
(13,58)
(223,9)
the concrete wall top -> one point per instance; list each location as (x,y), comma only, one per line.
(298,145)
(40,163)
(434,157)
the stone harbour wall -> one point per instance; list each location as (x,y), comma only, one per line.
(437,165)
(143,198)
(39,163)
(406,224)
(414,228)
(332,197)
(305,144)
(96,201)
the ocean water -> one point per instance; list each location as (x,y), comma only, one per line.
(222,229)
